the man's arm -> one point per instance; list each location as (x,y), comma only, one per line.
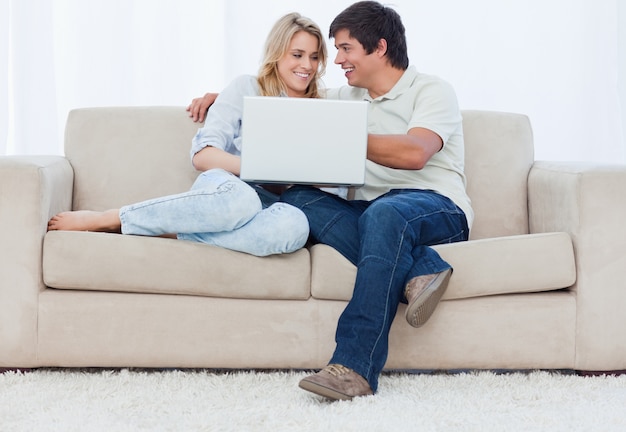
(199,106)
(411,151)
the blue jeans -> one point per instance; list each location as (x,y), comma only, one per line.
(388,240)
(221,210)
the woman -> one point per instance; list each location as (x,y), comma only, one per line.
(220,209)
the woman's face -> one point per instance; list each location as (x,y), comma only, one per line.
(298,66)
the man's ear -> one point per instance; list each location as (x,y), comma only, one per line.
(381,49)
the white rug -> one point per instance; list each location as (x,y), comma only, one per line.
(129,400)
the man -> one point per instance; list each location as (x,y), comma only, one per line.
(414,197)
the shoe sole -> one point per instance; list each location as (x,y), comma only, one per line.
(423,307)
(322,391)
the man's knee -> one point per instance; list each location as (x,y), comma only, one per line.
(382,211)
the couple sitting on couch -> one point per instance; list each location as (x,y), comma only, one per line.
(414,194)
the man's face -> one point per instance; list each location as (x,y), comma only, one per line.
(351,56)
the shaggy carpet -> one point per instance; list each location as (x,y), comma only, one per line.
(204,400)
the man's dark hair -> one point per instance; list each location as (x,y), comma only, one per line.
(369,22)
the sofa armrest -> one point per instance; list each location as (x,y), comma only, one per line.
(32,189)
(587,201)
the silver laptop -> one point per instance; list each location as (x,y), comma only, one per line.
(303,141)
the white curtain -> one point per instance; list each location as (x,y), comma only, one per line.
(64,54)
(562,63)
(4,75)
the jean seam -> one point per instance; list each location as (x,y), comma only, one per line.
(386,313)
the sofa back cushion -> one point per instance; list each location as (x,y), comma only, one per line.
(122,155)
(498,156)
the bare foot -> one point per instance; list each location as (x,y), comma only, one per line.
(86,220)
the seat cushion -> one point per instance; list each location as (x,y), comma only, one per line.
(115,262)
(503,265)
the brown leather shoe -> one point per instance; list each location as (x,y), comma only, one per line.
(336,381)
(423,294)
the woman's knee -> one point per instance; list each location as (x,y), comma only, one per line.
(289,219)
(212,178)
(289,227)
(226,193)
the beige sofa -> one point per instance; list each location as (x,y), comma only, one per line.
(541,283)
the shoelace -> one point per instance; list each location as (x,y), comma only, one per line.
(337,369)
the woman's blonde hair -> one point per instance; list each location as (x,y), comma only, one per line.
(276,46)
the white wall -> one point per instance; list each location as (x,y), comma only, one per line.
(555,61)
(560,62)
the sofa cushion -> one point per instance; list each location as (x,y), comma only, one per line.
(124,155)
(115,262)
(498,157)
(503,265)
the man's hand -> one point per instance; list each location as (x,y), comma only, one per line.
(199,106)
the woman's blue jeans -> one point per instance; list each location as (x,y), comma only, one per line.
(221,210)
(388,240)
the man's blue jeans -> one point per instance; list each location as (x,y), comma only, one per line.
(388,240)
